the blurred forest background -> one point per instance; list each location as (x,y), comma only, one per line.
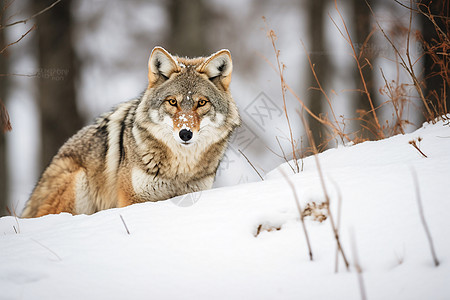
(77,59)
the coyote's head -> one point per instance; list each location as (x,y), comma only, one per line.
(188,101)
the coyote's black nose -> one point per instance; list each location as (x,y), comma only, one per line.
(185,135)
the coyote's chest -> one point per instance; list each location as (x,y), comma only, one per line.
(149,187)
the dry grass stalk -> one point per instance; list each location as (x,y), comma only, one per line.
(251,164)
(397,96)
(284,155)
(29,18)
(327,123)
(47,248)
(17,41)
(324,121)
(337,127)
(414,144)
(333,127)
(265,227)
(13,213)
(358,268)
(379,131)
(124,224)
(300,212)
(422,218)
(408,66)
(281,67)
(324,188)
(438,51)
(338,224)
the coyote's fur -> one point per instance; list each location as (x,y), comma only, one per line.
(166,143)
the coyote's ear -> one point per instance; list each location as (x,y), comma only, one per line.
(160,66)
(218,68)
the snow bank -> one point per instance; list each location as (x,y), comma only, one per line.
(246,241)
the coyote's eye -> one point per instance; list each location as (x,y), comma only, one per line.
(172,102)
(201,102)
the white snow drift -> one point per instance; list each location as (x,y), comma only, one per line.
(246,241)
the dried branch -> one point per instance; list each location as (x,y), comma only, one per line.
(13,43)
(20,75)
(124,224)
(348,38)
(428,15)
(327,124)
(32,17)
(320,88)
(324,188)
(284,155)
(273,37)
(312,142)
(300,211)
(414,144)
(393,95)
(419,11)
(404,64)
(323,122)
(251,164)
(45,247)
(13,213)
(422,218)
(336,265)
(358,268)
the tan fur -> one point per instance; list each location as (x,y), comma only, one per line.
(125,192)
(57,190)
(136,153)
(188,119)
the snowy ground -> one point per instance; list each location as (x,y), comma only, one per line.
(207,246)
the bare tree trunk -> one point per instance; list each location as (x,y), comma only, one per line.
(4,182)
(57,74)
(362,25)
(188,25)
(322,65)
(434,83)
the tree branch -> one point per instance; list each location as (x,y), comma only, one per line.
(13,43)
(33,16)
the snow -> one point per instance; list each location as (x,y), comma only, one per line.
(205,245)
(182,117)
(185,127)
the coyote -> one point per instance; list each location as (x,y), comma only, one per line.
(166,143)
